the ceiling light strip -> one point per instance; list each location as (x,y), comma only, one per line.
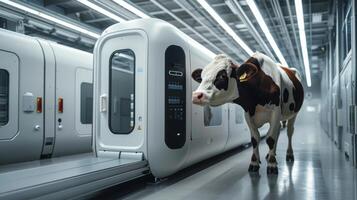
(253,7)
(101,10)
(50,18)
(225,26)
(131,8)
(191,40)
(301,25)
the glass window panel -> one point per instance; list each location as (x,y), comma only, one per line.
(86,103)
(4,97)
(239,115)
(212,116)
(122,90)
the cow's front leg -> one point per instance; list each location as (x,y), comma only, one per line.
(255,139)
(272,140)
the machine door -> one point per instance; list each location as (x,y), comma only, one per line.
(21,106)
(73,101)
(9,90)
(238,128)
(346,112)
(49,103)
(209,128)
(121,87)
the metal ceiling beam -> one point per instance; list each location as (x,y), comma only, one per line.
(54,2)
(186,25)
(239,11)
(187,7)
(277,8)
(100,19)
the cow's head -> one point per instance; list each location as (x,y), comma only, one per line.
(218,82)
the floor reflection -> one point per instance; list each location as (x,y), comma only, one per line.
(319,171)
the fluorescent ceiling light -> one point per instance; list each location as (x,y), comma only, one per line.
(225,26)
(101,10)
(300,20)
(131,8)
(85,31)
(50,18)
(266,31)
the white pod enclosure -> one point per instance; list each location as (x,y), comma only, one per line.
(45,99)
(142,98)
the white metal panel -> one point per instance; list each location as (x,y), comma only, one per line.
(26,143)
(67,139)
(162,159)
(206,140)
(344,113)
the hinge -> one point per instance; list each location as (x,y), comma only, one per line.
(121,155)
(108,154)
(339,117)
(352,116)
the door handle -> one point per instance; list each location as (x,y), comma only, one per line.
(103,103)
(37,127)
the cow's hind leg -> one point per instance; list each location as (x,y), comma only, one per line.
(290,131)
(255,139)
(255,160)
(272,140)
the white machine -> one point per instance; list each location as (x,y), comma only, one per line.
(142,99)
(45,99)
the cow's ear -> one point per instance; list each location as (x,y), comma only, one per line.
(196,75)
(246,71)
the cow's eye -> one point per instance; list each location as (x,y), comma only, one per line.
(221,83)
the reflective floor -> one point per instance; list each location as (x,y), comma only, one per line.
(320,171)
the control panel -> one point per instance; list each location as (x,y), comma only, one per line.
(175,97)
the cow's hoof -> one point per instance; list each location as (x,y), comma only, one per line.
(290,158)
(272,170)
(253,168)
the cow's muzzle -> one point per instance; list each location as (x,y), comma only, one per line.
(199,98)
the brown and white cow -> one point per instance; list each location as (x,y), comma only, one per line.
(267,91)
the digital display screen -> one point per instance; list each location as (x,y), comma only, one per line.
(174,101)
(174,87)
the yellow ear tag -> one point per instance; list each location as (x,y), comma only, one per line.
(243,77)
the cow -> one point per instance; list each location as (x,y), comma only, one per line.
(267,91)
